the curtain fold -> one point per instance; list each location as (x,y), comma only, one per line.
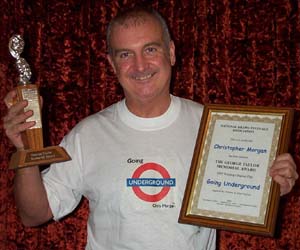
(228,52)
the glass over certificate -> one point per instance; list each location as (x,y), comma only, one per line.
(229,186)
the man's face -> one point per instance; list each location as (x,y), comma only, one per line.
(141,60)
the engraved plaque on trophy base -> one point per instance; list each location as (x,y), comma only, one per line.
(28,158)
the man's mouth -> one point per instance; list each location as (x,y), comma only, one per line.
(142,77)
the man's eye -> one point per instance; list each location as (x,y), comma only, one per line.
(151,49)
(124,55)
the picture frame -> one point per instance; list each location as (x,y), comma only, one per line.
(228,186)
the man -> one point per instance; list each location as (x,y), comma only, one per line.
(148,134)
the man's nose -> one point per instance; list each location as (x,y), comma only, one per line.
(140,62)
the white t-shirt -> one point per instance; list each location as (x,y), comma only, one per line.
(133,171)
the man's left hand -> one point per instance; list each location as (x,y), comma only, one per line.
(284,172)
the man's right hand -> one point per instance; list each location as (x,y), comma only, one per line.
(14,122)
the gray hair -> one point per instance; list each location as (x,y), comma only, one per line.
(137,15)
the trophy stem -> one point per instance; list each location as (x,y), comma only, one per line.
(33,137)
(34,152)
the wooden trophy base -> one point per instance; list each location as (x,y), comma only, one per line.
(43,156)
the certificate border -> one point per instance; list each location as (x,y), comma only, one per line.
(265,224)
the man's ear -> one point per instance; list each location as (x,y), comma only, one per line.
(172,53)
(111,62)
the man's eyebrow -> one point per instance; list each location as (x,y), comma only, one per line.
(158,44)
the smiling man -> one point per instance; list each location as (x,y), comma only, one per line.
(130,160)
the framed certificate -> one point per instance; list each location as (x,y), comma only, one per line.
(228,186)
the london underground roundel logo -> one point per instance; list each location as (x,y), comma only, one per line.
(163,184)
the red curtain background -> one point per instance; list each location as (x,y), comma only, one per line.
(228,51)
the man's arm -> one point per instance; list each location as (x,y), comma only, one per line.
(31,198)
(30,193)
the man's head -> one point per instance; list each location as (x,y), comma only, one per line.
(141,54)
(135,16)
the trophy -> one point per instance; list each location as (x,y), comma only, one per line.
(34,152)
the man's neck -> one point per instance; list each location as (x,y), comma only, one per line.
(149,108)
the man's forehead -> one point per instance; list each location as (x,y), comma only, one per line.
(135,32)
